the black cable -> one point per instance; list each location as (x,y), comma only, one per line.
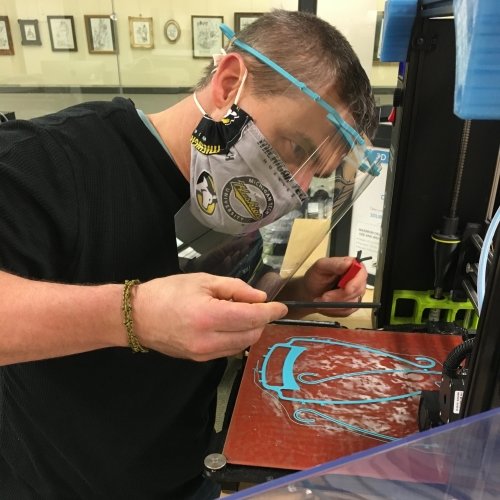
(455,357)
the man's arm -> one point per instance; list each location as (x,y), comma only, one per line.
(196,316)
(43,320)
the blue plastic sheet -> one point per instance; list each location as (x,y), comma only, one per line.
(477,83)
(398,21)
(460,460)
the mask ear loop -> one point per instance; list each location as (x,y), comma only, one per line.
(217,58)
(198,105)
(243,80)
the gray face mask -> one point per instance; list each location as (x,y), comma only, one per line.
(238,182)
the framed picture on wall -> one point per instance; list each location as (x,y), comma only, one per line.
(141,32)
(172,31)
(30,34)
(62,33)
(243,19)
(207,37)
(100,34)
(6,46)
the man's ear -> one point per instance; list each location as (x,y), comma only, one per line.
(227,80)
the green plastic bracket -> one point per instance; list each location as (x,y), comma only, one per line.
(416,306)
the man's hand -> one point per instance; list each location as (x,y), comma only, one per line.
(320,279)
(200,316)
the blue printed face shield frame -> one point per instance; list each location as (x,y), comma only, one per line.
(370,163)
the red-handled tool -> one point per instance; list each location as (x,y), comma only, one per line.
(352,271)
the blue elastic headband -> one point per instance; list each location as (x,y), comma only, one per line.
(348,132)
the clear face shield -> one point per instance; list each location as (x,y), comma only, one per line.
(300,179)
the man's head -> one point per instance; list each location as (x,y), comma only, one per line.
(288,102)
(276,115)
(312,51)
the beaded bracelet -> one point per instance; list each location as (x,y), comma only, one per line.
(133,341)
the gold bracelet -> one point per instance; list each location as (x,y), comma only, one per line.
(133,341)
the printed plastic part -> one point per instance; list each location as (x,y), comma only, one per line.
(477,83)
(398,21)
(413,306)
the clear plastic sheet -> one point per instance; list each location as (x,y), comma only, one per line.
(456,461)
(323,158)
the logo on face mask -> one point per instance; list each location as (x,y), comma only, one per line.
(230,117)
(246,199)
(206,149)
(205,193)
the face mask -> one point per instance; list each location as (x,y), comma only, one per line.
(238,182)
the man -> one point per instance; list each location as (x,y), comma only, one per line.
(87,202)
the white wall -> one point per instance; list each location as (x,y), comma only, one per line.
(356,19)
(38,65)
(164,65)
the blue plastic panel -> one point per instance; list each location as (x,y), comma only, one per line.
(477,85)
(398,21)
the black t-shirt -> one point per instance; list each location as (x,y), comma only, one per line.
(88,195)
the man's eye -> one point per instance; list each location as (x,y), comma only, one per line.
(299,154)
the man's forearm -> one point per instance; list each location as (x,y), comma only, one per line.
(40,320)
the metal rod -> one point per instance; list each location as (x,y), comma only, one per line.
(471,294)
(331,305)
(308,322)
(494,188)
(477,241)
(464,144)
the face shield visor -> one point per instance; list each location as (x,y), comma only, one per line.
(299,180)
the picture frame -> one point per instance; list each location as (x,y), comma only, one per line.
(101,37)
(6,45)
(62,33)
(207,37)
(172,31)
(141,32)
(243,19)
(30,33)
